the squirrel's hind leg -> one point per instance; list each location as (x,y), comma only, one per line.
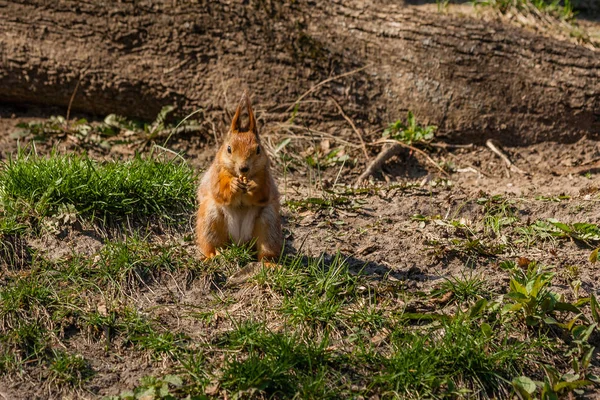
(211,229)
(267,231)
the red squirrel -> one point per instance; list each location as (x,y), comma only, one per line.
(238,198)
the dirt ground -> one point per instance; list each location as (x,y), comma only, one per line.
(391,229)
(374,229)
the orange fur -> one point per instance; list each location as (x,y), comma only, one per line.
(238,198)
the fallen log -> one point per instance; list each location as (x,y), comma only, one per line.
(476,80)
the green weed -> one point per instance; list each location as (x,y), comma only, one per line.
(498,213)
(464,288)
(410,132)
(562,9)
(103,133)
(168,387)
(552,229)
(67,369)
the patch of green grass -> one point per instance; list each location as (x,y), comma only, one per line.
(115,189)
(369,317)
(498,213)
(457,357)
(477,353)
(160,344)
(562,9)
(552,230)
(85,295)
(464,288)
(67,369)
(233,257)
(276,364)
(134,262)
(168,387)
(14,251)
(105,133)
(26,311)
(316,203)
(23,343)
(314,291)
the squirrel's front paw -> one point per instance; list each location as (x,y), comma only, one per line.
(237,186)
(251,186)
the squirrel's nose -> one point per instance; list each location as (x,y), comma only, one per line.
(244,169)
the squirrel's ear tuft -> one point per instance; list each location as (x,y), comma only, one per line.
(235,122)
(251,119)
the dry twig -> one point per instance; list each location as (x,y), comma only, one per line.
(347,118)
(333,78)
(289,127)
(504,157)
(71,101)
(443,145)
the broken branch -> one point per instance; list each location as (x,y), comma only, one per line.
(388,152)
(504,157)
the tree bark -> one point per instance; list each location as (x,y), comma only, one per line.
(476,80)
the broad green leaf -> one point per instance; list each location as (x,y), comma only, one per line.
(551,373)
(593,378)
(477,308)
(571,385)
(563,227)
(587,231)
(486,329)
(595,309)
(524,386)
(517,287)
(582,332)
(163,391)
(511,307)
(568,326)
(173,380)
(562,306)
(594,255)
(517,296)
(548,393)
(127,395)
(547,304)
(148,394)
(533,287)
(587,357)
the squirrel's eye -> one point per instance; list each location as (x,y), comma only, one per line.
(258,150)
(229,149)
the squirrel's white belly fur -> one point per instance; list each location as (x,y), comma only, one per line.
(240,218)
(240,222)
